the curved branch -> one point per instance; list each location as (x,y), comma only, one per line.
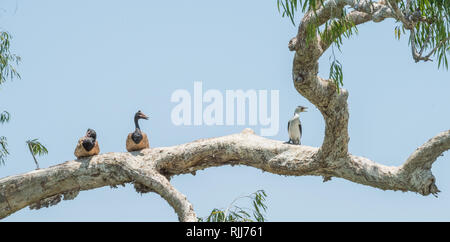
(425,155)
(150,180)
(151,169)
(46,187)
(417,55)
(320,92)
(415,174)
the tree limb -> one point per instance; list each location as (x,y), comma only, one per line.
(321,92)
(151,169)
(425,155)
(45,187)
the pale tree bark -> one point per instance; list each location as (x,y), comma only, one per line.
(151,169)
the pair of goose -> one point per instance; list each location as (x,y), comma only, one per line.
(88,145)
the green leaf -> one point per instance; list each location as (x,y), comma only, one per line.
(336,28)
(235,213)
(36,147)
(4,117)
(289,7)
(336,74)
(433,34)
(7,60)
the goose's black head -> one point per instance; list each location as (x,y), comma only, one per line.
(140,115)
(137,116)
(90,133)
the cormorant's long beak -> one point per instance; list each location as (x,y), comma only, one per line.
(144,116)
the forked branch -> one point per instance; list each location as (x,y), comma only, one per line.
(151,170)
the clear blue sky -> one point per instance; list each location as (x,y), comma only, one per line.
(94,63)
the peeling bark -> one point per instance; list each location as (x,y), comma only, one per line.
(150,170)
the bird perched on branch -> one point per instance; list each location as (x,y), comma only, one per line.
(137,140)
(87,145)
(295,126)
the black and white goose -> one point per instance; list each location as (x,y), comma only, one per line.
(137,140)
(87,145)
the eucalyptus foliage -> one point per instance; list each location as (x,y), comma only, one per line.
(433,31)
(290,7)
(429,35)
(235,213)
(4,117)
(36,148)
(7,71)
(7,60)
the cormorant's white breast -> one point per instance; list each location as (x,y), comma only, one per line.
(295,126)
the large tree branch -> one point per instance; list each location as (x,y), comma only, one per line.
(415,175)
(45,187)
(425,155)
(417,56)
(151,170)
(146,180)
(409,20)
(322,93)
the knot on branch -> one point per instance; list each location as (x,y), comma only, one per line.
(70,195)
(381,14)
(326,178)
(415,17)
(293,44)
(55,199)
(299,77)
(423,182)
(364,6)
(141,188)
(46,202)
